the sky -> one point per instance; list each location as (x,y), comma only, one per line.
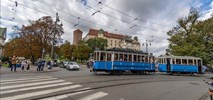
(149,20)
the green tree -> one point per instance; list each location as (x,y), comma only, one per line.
(97,43)
(192,37)
(66,50)
(82,52)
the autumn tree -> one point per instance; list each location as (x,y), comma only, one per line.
(35,37)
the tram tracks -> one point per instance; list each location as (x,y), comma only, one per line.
(121,82)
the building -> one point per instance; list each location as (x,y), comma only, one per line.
(2,39)
(114,40)
(77,36)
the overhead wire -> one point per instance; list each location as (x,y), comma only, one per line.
(140,19)
(120,19)
(71,21)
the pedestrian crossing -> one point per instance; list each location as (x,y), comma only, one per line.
(45,88)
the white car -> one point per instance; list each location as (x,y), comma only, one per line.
(72,66)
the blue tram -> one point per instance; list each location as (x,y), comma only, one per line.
(180,64)
(117,62)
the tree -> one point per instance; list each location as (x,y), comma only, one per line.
(35,37)
(95,43)
(82,52)
(66,50)
(192,37)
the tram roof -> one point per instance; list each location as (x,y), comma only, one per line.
(180,57)
(135,52)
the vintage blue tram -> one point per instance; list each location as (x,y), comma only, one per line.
(180,64)
(118,61)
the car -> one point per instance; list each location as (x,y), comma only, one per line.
(63,64)
(72,66)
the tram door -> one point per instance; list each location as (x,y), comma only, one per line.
(168,64)
(199,66)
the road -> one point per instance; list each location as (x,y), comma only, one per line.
(61,84)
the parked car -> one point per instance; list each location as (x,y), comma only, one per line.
(72,66)
(63,64)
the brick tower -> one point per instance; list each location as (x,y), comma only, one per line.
(77,36)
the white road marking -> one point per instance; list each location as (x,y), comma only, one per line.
(19,79)
(36,87)
(27,95)
(67,95)
(30,84)
(95,96)
(22,81)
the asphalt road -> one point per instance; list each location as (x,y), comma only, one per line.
(84,85)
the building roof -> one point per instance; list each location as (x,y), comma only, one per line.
(95,32)
(3,32)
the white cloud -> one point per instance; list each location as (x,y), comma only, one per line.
(164,12)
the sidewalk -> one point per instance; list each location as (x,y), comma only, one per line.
(5,70)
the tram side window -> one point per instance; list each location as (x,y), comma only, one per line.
(134,58)
(116,57)
(109,55)
(125,57)
(97,56)
(173,61)
(143,58)
(139,57)
(103,55)
(178,61)
(121,57)
(146,58)
(130,57)
(195,62)
(184,61)
(190,62)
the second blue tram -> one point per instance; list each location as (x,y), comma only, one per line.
(116,62)
(180,64)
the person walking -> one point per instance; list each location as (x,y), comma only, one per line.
(49,65)
(28,65)
(39,65)
(0,63)
(13,60)
(9,63)
(23,64)
(210,92)
(42,64)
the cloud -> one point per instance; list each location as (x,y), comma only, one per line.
(154,17)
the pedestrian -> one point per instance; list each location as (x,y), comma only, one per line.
(23,64)
(88,64)
(42,64)
(13,60)
(49,65)
(0,63)
(9,63)
(28,65)
(210,89)
(39,65)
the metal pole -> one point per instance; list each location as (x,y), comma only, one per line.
(146,47)
(53,40)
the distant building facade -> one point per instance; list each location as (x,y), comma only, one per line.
(77,36)
(3,32)
(114,40)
